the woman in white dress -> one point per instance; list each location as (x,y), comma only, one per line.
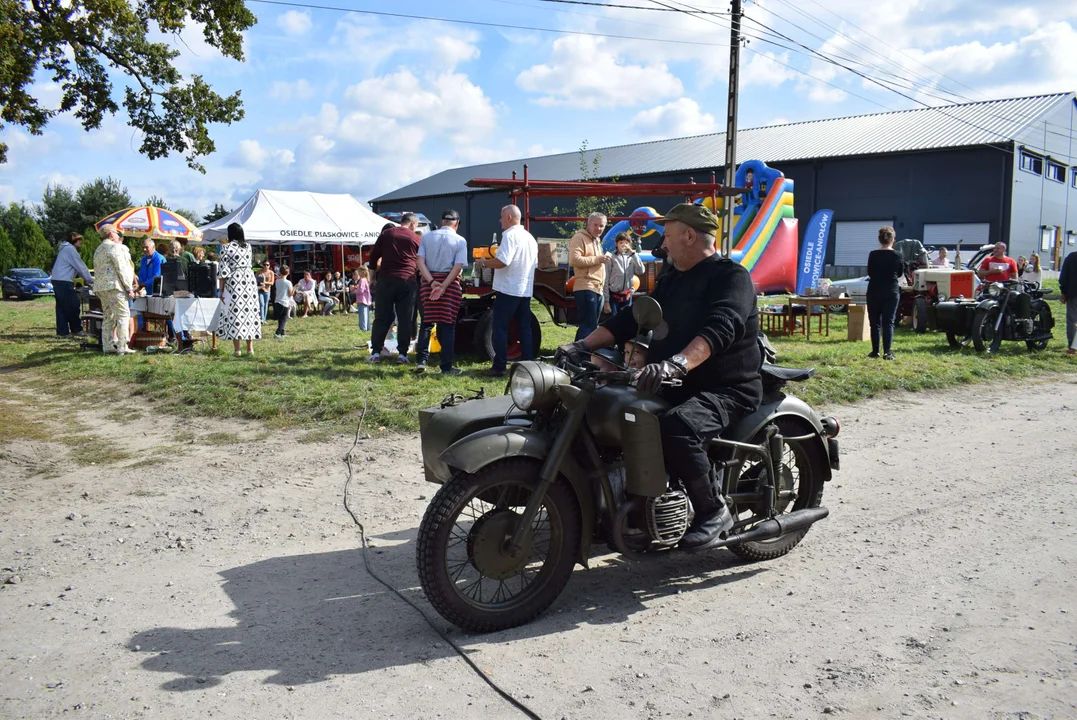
(241,315)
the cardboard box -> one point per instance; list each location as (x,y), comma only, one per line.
(859,328)
(547,255)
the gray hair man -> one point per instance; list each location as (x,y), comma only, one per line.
(514,281)
(589,270)
(442,255)
(709,343)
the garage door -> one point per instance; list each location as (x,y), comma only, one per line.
(970,235)
(854,240)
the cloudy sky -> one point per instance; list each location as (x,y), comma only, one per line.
(349,102)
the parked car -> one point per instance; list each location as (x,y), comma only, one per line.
(424,222)
(23,283)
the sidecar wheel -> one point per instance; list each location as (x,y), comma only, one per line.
(1045,321)
(803,468)
(465,574)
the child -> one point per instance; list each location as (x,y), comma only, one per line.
(283,301)
(362,296)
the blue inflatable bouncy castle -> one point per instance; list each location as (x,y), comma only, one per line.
(764,234)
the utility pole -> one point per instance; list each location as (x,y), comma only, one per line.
(731,126)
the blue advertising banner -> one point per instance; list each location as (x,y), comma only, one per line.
(813,250)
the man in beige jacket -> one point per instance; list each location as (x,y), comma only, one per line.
(589,268)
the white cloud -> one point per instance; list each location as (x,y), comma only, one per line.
(679,118)
(8,194)
(294,23)
(581,73)
(250,155)
(767,69)
(287,91)
(57,178)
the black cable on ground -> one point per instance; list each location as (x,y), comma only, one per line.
(528,712)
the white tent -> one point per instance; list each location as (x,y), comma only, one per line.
(279,217)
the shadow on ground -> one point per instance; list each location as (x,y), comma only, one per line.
(308,617)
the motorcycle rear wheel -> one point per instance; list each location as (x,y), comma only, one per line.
(803,468)
(984,337)
(1044,321)
(458,545)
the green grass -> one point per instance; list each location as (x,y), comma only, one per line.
(318,379)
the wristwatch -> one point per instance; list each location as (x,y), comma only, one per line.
(681,362)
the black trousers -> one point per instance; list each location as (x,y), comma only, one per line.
(67,308)
(882,313)
(685,428)
(282,317)
(393,297)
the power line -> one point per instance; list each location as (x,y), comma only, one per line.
(479,23)
(632,7)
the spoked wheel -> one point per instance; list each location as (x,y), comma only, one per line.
(464,564)
(800,485)
(984,337)
(1044,322)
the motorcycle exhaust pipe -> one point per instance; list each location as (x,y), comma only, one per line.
(779,526)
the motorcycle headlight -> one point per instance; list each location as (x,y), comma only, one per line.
(994,290)
(531,384)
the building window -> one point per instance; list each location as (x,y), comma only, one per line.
(1056,172)
(1073,176)
(1031,163)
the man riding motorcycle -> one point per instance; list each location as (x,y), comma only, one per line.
(708,340)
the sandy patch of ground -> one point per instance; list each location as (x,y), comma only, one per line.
(209,569)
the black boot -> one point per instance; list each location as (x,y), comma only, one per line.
(712,516)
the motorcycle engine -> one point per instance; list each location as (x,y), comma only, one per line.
(1024,326)
(667,518)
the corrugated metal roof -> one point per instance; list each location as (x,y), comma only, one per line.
(902,131)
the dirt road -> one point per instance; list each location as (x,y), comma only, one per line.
(209,570)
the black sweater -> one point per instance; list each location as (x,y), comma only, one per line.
(715,300)
(1067,278)
(885,268)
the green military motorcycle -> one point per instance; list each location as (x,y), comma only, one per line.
(572,456)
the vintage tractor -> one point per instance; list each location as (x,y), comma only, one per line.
(927,285)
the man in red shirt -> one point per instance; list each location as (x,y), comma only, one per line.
(394,294)
(996,267)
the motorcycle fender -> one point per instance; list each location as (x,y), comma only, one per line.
(474,452)
(987,305)
(750,425)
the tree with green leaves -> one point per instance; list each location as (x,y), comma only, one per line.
(90,242)
(101,198)
(59,213)
(216,213)
(608,206)
(7,251)
(31,248)
(84,45)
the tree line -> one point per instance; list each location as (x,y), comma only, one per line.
(31,234)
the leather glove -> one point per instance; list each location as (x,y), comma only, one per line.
(570,351)
(651,376)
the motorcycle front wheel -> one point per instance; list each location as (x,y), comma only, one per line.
(802,467)
(984,337)
(464,568)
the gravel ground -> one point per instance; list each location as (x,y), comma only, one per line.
(214,572)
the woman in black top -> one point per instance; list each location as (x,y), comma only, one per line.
(885,268)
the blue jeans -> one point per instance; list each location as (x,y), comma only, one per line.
(364,317)
(67,308)
(588,308)
(506,309)
(616,307)
(446,338)
(263,303)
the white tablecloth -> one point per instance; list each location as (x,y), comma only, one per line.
(191,314)
(196,314)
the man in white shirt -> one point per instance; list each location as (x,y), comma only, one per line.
(514,279)
(68,265)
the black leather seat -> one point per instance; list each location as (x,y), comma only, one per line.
(784,374)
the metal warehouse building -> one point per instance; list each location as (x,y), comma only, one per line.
(978,173)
